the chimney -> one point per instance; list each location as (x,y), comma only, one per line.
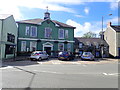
(109,24)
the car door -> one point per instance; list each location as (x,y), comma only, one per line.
(45,55)
(42,55)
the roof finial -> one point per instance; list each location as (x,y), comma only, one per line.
(47,8)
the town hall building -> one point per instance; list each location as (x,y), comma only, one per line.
(44,35)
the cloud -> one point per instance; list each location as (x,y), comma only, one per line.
(13,6)
(114,5)
(73,2)
(80,29)
(86,10)
(79,16)
(99,0)
(6,7)
(114,20)
(94,26)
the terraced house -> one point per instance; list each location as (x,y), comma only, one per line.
(44,34)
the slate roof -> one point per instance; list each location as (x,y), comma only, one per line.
(4,16)
(38,21)
(116,28)
(90,40)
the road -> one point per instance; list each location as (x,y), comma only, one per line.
(36,74)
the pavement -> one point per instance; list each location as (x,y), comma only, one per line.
(26,61)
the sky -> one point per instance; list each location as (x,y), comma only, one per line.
(85,15)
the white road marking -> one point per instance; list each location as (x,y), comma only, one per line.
(49,72)
(111,74)
(6,67)
(54,72)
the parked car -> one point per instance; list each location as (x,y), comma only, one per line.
(65,56)
(39,55)
(87,56)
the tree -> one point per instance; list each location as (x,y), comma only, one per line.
(89,35)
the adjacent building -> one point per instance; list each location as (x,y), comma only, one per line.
(44,34)
(97,46)
(112,37)
(8,36)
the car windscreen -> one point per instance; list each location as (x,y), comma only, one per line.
(37,53)
(86,53)
(62,53)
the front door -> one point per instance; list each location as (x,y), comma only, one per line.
(48,50)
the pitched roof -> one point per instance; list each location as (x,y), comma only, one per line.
(116,28)
(38,21)
(90,40)
(4,16)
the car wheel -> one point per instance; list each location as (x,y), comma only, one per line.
(72,58)
(40,59)
(68,59)
(47,58)
(31,59)
(82,59)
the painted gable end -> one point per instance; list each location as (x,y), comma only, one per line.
(110,37)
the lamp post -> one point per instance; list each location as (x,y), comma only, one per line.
(102,37)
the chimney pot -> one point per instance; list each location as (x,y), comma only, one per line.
(109,24)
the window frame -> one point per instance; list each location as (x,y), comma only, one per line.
(68,47)
(59,46)
(66,34)
(80,45)
(45,30)
(27,30)
(31,45)
(10,38)
(31,33)
(60,34)
(23,47)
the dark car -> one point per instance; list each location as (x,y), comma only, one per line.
(65,56)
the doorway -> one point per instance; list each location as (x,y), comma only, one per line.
(48,50)
(48,47)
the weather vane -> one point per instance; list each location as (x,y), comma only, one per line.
(47,8)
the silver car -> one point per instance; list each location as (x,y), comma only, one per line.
(87,56)
(39,55)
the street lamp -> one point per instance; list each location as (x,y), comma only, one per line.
(102,37)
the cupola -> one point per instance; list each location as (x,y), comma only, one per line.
(47,14)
